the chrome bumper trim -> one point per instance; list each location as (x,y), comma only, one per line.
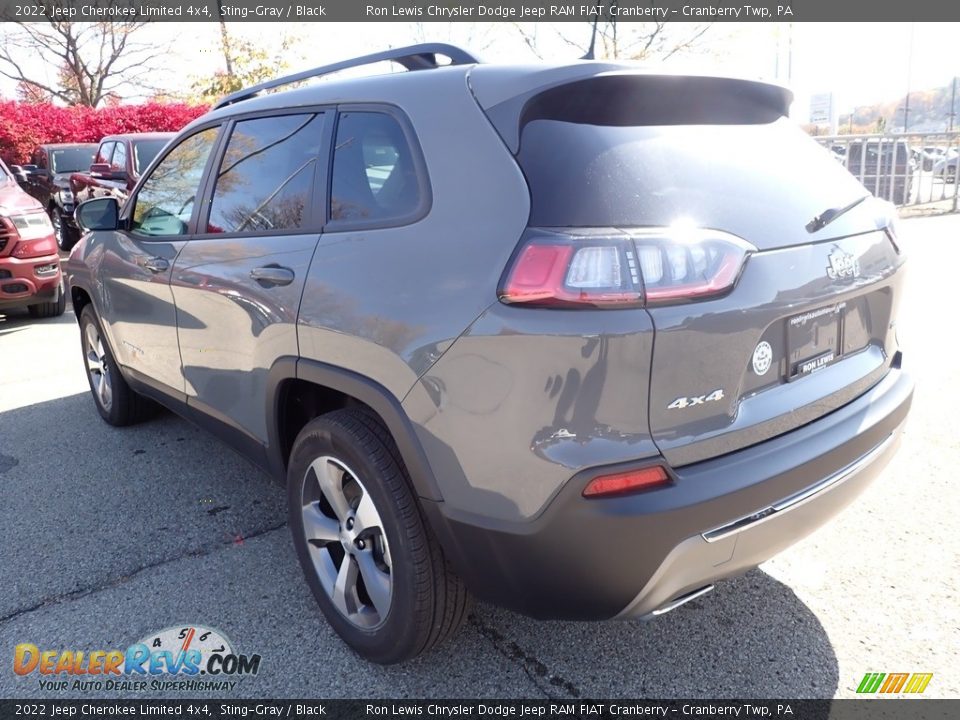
(797,499)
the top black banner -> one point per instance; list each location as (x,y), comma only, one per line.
(477,10)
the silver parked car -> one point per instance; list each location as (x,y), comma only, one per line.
(559,336)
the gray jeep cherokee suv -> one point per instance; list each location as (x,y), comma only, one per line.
(562,336)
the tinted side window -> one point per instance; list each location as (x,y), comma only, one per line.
(119,161)
(104,153)
(374,176)
(165,201)
(266,178)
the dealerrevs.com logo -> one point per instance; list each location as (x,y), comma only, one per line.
(187,657)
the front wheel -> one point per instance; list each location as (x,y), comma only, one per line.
(116,401)
(54,308)
(377,573)
(65,235)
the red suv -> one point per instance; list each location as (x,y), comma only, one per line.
(29,263)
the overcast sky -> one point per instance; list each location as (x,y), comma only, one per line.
(861,63)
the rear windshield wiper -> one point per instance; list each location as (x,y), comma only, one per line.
(828,216)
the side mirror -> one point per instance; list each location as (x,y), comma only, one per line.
(101,169)
(98,214)
(19,173)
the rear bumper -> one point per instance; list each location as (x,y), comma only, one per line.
(632,556)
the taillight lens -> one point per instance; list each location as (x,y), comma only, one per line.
(627,482)
(623,268)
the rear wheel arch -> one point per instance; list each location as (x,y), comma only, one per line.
(300,390)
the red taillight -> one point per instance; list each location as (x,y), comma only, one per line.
(611,269)
(625,482)
(558,275)
(35,248)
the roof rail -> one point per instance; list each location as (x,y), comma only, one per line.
(412,57)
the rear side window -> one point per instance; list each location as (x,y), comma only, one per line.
(375,176)
(265,180)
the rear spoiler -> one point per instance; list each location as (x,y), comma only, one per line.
(611,95)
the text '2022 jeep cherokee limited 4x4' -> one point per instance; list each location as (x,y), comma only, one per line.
(559,335)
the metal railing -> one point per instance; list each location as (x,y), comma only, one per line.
(908,169)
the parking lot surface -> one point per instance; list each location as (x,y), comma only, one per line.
(109,535)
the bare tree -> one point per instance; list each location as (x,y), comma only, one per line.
(612,40)
(78,63)
(476,37)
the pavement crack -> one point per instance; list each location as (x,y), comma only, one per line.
(196,552)
(547,682)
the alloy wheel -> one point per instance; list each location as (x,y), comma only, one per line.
(97,367)
(58,230)
(347,542)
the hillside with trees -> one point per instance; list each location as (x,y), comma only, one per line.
(929,112)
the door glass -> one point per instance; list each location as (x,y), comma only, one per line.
(119,161)
(165,201)
(266,176)
(106,150)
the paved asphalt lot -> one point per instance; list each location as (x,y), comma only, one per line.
(108,535)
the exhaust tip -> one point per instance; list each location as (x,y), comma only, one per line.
(682,600)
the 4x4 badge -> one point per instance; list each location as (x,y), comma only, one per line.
(683,402)
(842,265)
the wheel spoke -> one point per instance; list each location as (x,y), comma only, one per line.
(93,362)
(93,339)
(367,517)
(319,527)
(376,581)
(330,477)
(344,589)
(104,390)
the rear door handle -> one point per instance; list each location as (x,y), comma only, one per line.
(271,275)
(156,264)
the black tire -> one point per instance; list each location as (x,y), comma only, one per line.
(428,601)
(54,308)
(65,235)
(126,407)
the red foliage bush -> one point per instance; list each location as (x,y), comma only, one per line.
(23,126)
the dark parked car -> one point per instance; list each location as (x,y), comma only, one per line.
(30,275)
(884,166)
(117,165)
(49,182)
(946,167)
(427,303)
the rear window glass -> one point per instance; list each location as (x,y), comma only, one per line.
(583,174)
(374,176)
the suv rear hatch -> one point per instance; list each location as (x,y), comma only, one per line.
(804,326)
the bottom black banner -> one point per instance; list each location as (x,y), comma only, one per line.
(488,709)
